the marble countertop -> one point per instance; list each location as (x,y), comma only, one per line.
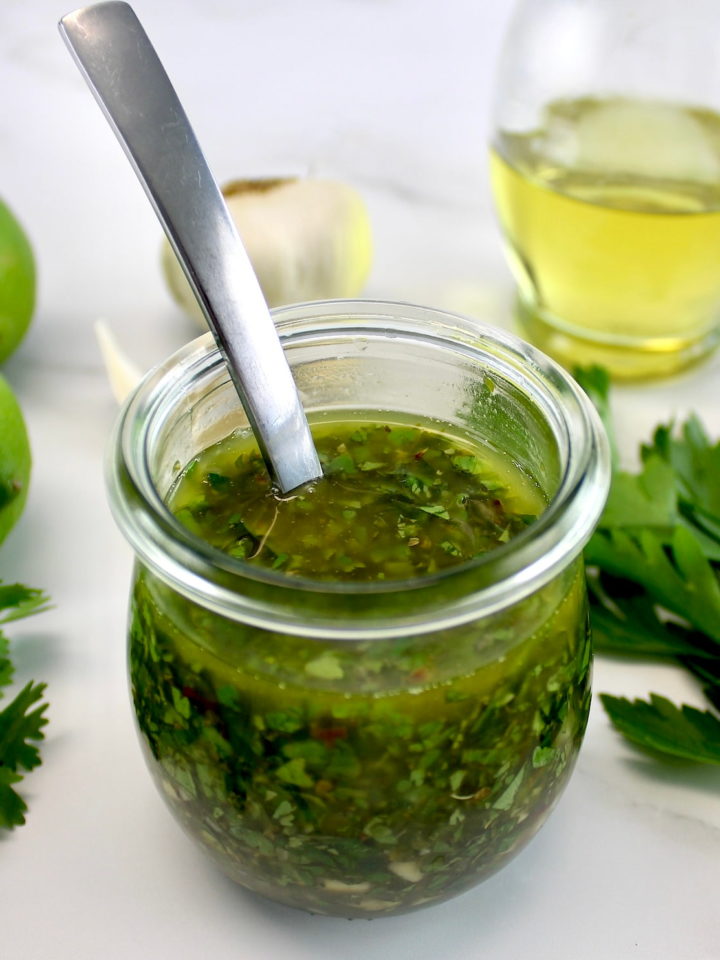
(394,97)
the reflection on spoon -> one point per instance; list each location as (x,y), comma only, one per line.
(126,77)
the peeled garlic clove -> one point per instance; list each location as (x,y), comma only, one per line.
(306,239)
(122,373)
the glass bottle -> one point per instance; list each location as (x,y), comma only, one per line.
(605,166)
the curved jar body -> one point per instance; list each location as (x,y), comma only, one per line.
(364,748)
(605,167)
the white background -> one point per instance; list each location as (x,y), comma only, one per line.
(394,97)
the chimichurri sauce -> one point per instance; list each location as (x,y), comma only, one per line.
(395,501)
(349,778)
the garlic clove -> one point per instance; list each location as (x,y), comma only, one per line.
(307,239)
(123,374)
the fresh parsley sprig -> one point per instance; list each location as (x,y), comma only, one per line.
(660,726)
(22,720)
(654,578)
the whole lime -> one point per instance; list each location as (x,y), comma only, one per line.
(17,282)
(15,460)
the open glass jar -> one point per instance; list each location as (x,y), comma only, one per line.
(364,748)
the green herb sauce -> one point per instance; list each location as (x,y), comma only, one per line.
(373,777)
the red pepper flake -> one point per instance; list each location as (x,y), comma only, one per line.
(194,697)
(421,674)
(328,735)
(420,454)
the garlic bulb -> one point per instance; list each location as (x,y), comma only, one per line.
(307,240)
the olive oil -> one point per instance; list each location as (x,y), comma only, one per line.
(611,213)
(396,500)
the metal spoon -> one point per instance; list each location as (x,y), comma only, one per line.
(129,82)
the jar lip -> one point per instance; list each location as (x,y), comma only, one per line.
(501,577)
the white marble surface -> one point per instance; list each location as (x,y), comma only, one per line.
(393,96)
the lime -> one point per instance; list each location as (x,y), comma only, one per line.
(17,283)
(14,460)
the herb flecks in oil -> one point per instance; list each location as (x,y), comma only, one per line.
(372,777)
(395,502)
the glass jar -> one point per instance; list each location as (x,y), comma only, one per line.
(364,748)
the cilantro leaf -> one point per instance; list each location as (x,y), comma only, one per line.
(660,726)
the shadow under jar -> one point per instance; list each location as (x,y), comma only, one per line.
(365,747)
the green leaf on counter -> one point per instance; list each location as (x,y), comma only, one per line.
(22,720)
(595,381)
(695,462)
(679,578)
(20,724)
(12,806)
(631,624)
(658,725)
(653,578)
(646,499)
(18,601)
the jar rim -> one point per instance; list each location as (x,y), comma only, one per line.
(492,581)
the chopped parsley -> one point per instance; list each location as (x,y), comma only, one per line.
(395,502)
(361,778)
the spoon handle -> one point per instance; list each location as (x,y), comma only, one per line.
(129,82)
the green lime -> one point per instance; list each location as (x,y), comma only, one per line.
(17,282)
(15,460)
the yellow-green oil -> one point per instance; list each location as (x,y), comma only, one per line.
(611,214)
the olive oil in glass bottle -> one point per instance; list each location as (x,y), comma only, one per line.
(606,177)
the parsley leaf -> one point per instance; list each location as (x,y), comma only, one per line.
(679,578)
(12,806)
(654,579)
(695,463)
(647,499)
(18,601)
(650,499)
(595,381)
(22,720)
(20,724)
(659,725)
(629,623)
